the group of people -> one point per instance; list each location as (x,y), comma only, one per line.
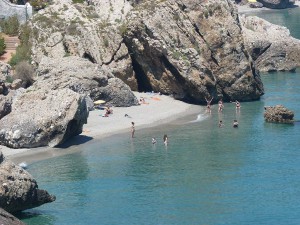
(165,137)
(221,105)
(220,109)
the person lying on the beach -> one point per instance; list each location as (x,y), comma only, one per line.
(142,101)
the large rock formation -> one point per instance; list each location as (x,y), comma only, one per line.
(277,4)
(18,189)
(198,52)
(270,46)
(8,219)
(278,114)
(43,117)
(84,77)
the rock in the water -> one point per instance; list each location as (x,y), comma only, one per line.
(277,4)
(271,46)
(278,114)
(18,190)
(8,219)
(43,117)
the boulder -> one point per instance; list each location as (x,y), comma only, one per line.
(49,117)
(16,84)
(271,46)
(8,219)
(277,4)
(84,77)
(278,114)
(5,71)
(19,190)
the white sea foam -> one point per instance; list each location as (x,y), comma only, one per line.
(200,117)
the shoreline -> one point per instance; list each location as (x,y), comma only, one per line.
(245,9)
(158,110)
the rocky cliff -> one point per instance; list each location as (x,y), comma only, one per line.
(184,48)
(271,46)
(18,189)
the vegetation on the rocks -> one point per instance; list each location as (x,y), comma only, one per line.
(2,45)
(78,1)
(25,72)
(10,26)
(23,52)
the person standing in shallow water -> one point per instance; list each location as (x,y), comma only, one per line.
(165,138)
(132,129)
(208,107)
(221,106)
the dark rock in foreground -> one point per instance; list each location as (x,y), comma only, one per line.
(18,190)
(278,114)
(8,219)
(41,118)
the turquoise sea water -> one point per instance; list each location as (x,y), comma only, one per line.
(206,175)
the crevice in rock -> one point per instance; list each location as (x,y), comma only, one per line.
(173,70)
(143,82)
(114,54)
(88,56)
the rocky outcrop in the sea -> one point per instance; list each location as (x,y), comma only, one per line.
(277,4)
(43,117)
(18,190)
(8,219)
(84,77)
(199,52)
(271,46)
(278,114)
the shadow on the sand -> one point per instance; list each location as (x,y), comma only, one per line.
(77,140)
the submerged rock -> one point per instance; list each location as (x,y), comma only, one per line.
(278,114)
(18,189)
(43,117)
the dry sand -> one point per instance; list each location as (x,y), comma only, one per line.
(159,109)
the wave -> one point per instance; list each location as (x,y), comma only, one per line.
(200,117)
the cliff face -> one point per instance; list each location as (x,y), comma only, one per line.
(186,48)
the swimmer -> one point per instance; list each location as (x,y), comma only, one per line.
(235,124)
(221,123)
(132,129)
(237,105)
(153,140)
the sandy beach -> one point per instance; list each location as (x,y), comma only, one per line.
(157,110)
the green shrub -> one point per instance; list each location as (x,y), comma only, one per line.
(25,72)
(2,46)
(78,1)
(10,26)
(39,4)
(23,51)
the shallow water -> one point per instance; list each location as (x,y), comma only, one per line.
(206,175)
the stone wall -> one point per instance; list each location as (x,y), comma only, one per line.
(8,9)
